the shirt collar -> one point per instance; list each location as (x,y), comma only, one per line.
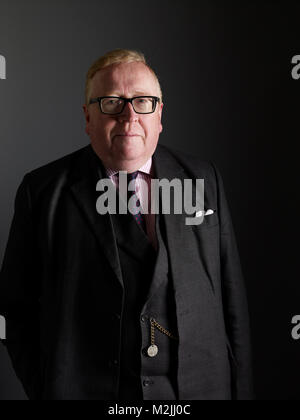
(146,169)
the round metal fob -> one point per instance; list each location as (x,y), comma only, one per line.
(152,351)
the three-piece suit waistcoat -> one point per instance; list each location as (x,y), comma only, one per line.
(148,293)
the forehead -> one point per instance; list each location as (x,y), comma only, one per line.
(125,79)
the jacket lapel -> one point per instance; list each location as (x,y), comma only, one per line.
(166,167)
(83,188)
(180,237)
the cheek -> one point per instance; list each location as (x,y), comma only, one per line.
(102,127)
(156,127)
(151,127)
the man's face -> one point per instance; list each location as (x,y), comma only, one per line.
(125,141)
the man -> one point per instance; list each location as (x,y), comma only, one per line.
(123,306)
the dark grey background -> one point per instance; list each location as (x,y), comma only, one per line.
(225,71)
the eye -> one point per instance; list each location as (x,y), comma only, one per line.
(144,101)
(113,101)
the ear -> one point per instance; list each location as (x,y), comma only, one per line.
(87,118)
(160,117)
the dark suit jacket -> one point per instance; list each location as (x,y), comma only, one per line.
(61,287)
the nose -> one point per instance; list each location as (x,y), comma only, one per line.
(128,114)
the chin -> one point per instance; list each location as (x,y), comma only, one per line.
(131,156)
(133,150)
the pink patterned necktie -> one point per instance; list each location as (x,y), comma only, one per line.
(139,217)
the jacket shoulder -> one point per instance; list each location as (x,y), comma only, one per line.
(46,174)
(191,163)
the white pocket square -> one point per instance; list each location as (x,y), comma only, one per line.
(202,213)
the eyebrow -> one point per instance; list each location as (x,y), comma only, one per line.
(136,93)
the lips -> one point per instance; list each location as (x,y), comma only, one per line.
(128,135)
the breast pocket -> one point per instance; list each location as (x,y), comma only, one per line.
(209,221)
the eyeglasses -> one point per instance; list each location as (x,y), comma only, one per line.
(113,105)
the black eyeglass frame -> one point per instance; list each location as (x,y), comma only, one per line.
(126,100)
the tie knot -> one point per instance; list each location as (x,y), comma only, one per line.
(132,176)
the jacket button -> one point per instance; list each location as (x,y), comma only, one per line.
(113,363)
(148,383)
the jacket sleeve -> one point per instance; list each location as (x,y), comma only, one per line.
(234,301)
(19,295)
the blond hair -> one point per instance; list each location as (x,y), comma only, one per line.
(117,56)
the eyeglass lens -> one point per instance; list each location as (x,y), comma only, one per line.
(115,105)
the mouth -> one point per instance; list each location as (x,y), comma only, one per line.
(127,135)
